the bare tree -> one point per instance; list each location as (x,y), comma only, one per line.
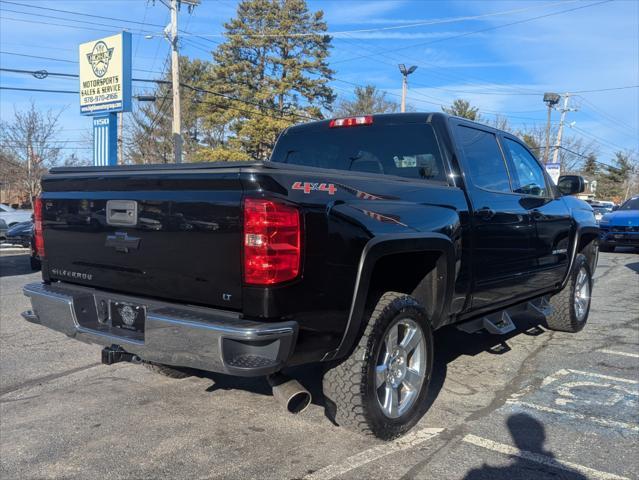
(573,152)
(29,140)
(368,100)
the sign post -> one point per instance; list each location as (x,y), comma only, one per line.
(105,89)
(105,139)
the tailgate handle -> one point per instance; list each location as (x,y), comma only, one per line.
(123,213)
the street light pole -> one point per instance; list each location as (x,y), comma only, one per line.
(551,99)
(405,73)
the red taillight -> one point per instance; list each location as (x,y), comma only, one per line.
(37,227)
(351,121)
(271,242)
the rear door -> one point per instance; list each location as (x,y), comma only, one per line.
(549,214)
(502,229)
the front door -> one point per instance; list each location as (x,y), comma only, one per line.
(549,214)
(503,255)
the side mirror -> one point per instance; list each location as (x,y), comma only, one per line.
(571,184)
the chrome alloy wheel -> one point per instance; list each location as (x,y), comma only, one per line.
(582,294)
(400,367)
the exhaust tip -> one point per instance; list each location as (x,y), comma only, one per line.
(293,397)
(298,402)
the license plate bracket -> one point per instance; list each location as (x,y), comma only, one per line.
(127,316)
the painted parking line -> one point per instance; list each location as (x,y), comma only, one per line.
(408,441)
(615,352)
(567,371)
(607,422)
(539,458)
(604,377)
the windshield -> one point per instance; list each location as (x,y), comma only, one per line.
(407,150)
(632,204)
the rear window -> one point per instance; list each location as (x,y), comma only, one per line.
(406,150)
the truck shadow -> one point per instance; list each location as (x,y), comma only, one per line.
(450,344)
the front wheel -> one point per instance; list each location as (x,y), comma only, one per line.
(571,306)
(381,388)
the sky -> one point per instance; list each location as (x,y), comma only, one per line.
(499,55)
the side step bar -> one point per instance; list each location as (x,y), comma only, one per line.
(500,323)
(496,323)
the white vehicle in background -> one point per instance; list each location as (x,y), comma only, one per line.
(12,216)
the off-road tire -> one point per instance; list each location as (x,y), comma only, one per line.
(349,386)
(171,372)
(564,317)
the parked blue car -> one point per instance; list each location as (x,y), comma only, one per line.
(621,227)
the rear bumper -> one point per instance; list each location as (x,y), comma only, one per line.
(174,334)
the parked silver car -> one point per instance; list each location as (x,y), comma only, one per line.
(3,230)
(12,216)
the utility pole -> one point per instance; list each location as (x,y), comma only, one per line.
(175,80)
(550,99)
(405,73)
(171,33)
(565,109)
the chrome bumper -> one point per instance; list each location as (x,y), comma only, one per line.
(174,334)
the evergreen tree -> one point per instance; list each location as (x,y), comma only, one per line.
(590,165)
(463,108)
(613,182)
(368,100)
(273,72)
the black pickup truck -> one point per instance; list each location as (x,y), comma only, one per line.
(358,239)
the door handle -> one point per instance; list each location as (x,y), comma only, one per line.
(537,215)
(485,213)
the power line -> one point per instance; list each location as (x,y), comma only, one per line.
(86,22)
(36,56)
(77,27)
(441,21)
(42,90)
(377,53)
(16,54)
(101,17)
(184,85)
(482,30)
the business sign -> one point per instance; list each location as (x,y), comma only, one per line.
(105,75)
(554,171)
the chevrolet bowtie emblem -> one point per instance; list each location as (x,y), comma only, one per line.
(122,242)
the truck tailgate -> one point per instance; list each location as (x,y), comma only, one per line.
(170,233)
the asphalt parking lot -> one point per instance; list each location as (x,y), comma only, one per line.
(532,405)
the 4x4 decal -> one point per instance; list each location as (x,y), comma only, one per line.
(309,187)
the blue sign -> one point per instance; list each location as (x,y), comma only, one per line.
(105,140)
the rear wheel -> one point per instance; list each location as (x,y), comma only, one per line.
(571,306)
(171,372)
(381,388)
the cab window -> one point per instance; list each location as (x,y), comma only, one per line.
(486,165)
(527,175)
